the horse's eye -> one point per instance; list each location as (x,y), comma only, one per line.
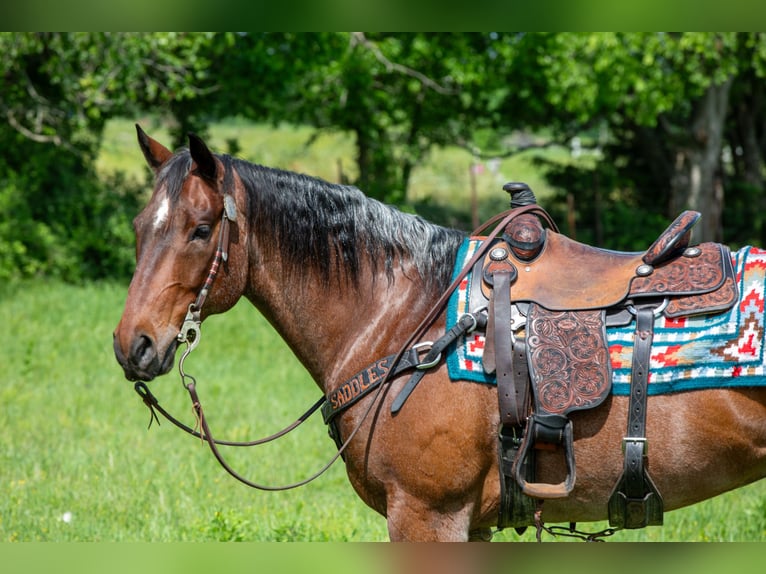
(202,232)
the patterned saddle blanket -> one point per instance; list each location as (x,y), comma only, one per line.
(698,352)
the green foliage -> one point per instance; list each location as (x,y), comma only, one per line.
(24,243)
(226,527)
(608,212)
(400,97)
(662,101)
(61,87)
(399,94)
(581,77)
(58,219)
(744,214)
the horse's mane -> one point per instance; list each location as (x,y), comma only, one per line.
(314,223)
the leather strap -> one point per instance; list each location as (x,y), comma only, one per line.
(488,356)
(466,324)
(508,395)
(516,508)
(366,380)
(154,407)
(635,441)
(635,501)
(207,436)
(221,255)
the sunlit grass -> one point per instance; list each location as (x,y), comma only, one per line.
(76,460)
(77,463)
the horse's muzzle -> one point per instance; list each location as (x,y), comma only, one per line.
(143,361)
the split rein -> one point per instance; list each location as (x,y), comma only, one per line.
(406,359)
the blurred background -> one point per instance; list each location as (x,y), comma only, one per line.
(615,132)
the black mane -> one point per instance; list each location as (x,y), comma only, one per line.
(314,223)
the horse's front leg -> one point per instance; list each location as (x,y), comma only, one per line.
(412,520)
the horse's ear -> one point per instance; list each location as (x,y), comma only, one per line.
(203,157)
(155,153)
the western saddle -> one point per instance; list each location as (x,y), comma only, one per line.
(549,300)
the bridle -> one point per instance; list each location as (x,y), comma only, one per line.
(190,329)
(190,334)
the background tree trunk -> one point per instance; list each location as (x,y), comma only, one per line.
(696,182)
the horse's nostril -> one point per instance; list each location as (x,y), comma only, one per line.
(142,352)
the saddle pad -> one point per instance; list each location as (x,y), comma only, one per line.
(706,351)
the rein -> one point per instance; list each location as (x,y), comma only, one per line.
(190,334)
(372,378)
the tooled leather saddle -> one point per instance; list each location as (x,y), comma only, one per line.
(549,301)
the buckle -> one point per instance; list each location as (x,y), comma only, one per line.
(643,440)
(657,311)
(426,346)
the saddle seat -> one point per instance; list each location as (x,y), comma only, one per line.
(566,275)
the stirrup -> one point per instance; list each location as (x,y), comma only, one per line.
(556,429)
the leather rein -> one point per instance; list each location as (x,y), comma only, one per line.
(373,378)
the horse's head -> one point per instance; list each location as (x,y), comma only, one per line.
(177,236)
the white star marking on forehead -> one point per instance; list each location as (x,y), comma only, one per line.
(161,216)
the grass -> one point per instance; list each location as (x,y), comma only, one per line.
(76,460)
(76,439)
(76,446)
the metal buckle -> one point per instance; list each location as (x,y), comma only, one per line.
(472,328)
(229,207)
(657,312)
(430,364)
(643,440)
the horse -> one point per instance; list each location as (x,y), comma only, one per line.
(345,280)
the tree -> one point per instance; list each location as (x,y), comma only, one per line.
(669,104)
(664,99)
(399,94)
(56,93)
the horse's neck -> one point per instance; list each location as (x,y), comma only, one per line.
(337,329)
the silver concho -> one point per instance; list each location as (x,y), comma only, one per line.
(498,254)
(644,270)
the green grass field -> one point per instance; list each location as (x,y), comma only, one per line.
(78,464)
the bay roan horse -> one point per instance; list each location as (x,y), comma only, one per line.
(346,280)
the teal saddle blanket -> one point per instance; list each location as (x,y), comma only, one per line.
(700,352)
